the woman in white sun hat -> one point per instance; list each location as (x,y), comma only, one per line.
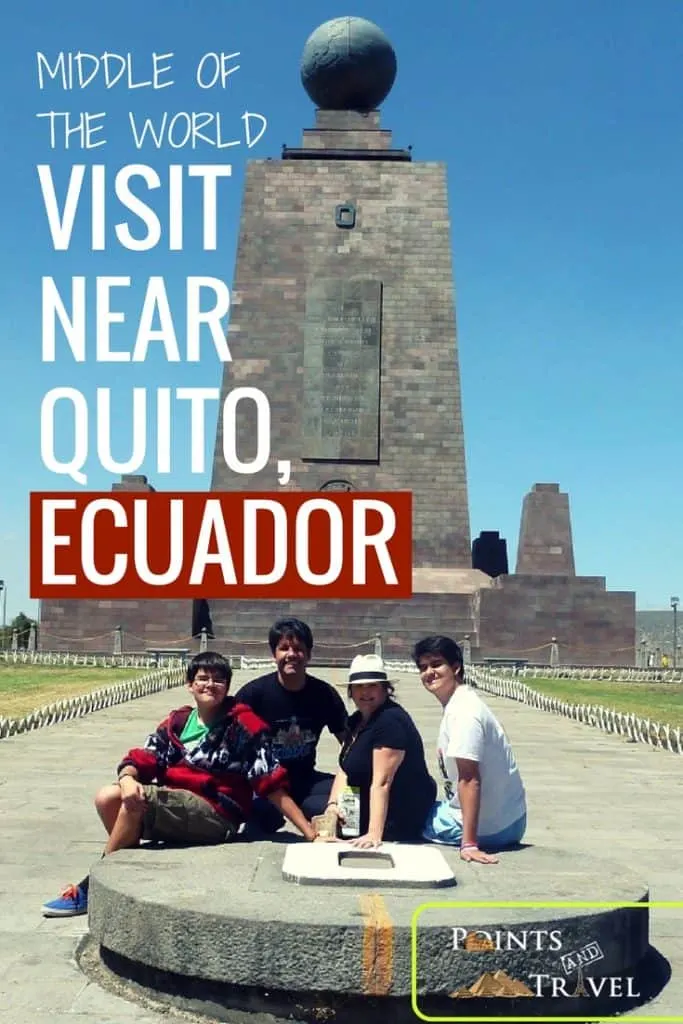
(383,789)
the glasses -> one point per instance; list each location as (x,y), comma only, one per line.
(205,684)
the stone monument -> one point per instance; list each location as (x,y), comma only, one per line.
(545,537)
(343,315)
(343,309)
(545,611)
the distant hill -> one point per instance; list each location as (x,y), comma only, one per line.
(658,628)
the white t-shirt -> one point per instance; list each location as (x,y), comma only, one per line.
(470,730)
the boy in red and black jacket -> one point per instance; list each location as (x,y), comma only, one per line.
(194,779)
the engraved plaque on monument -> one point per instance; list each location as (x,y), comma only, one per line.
(342,344)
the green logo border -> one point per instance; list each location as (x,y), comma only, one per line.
(525,905)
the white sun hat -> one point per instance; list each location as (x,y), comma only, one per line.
(367,668)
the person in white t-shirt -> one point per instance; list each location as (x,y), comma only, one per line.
(485,805)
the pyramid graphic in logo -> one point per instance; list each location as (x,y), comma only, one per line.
(494,985)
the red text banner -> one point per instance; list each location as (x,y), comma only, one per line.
(288,545)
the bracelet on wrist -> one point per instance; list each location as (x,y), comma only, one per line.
(332,803)
(468,846)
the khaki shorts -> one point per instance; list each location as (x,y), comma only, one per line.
(178,816)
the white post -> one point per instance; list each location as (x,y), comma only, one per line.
(643,653)
(554,653)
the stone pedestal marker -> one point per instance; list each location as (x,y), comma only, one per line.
(397,865)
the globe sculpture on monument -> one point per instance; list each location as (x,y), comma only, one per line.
(348,64)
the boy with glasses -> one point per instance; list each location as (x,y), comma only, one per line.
(194,779)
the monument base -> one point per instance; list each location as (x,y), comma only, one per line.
(395,865)
(342,628)
(508,617)
(165,931)
(520,614)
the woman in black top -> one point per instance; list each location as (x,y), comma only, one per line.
(383,761)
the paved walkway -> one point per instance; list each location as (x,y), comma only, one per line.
(588,792)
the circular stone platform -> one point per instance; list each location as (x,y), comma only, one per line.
(220,926)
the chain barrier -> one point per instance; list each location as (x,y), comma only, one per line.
(222,641)
(76,639)
(526,650)
(345,647)
(190,638)
(98,700)
(146,640)
(628,724)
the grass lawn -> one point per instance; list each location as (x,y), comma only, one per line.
(25,688)
(660,702)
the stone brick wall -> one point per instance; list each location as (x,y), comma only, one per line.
(88,626)
(340,625)
(346,129)
(288,237)
(521,614)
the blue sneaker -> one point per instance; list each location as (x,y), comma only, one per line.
(72,902)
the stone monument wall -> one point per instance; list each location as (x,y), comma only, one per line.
(520,614)
(350,331)
(87,626)
(545,535)
(341,628)
(84,626)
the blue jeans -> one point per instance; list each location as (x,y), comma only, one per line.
(444,825)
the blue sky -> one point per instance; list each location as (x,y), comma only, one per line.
(562,127)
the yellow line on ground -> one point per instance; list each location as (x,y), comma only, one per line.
(378,945)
